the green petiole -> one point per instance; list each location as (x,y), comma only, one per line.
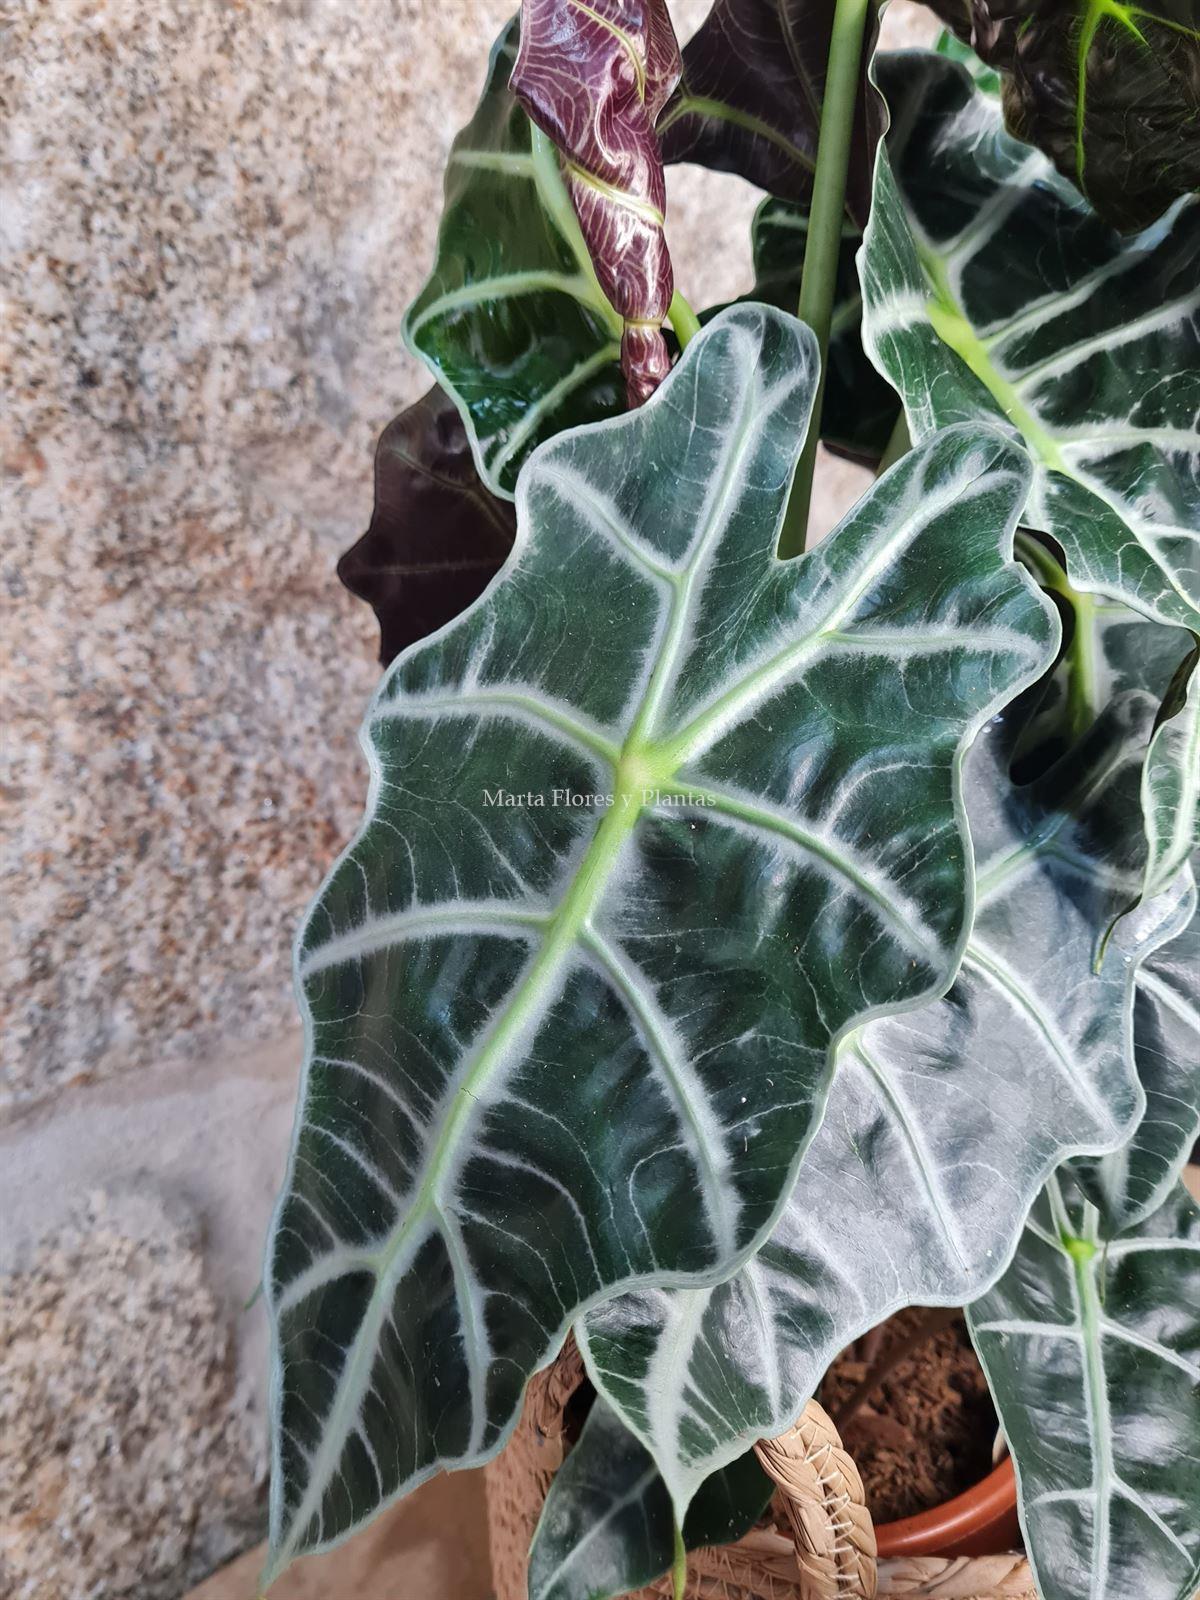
(819,279)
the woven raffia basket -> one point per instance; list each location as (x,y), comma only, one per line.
(827,1552)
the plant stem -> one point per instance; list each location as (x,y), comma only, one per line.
(818,281)
(1083,695)
(683,319)
(899,444)
(679,1566)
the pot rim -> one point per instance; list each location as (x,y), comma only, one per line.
(946,1529)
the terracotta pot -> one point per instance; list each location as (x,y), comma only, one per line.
(981,1522)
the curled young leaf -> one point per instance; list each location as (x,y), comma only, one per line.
(1091,1345)
(1110,91)
(594,78)
(649,827)
(941,1126)
(437,537)
(749,100)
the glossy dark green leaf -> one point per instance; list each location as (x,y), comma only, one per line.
(1092,1352)
(608,1528)
(512,321)
(992,291)
(560,1045)
(437,537)
(594,79)
(1110,91)
(941,1127)
(749,101)
(860,407)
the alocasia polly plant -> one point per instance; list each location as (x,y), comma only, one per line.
(702,878)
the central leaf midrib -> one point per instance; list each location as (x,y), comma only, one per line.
(583,894)
(705,725)
(1087,1302)
(954,328)
(586,887)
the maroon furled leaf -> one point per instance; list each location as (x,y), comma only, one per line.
(594,78)
(437,537)
(749,100)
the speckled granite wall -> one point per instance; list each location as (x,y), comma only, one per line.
(212,215)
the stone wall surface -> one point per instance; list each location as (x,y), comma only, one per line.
(212,216)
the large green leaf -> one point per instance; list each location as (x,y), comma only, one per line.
(512,321)
(608,1528)
(555,1049)
(991,290)
(1108,649)
(941,1126)
(1092,1351)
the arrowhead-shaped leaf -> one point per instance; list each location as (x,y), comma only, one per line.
(1092,1351)
(558,1049)
(512,322)
(608,1527)
(594,79)
(991,290)
(437,537)
(749,101)
(941,1126)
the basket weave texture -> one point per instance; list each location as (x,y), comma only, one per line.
(821,1547)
